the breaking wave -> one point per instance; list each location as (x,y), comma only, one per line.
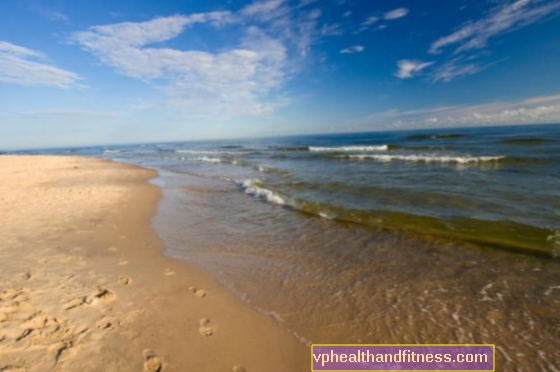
(254,188)
(426,158)
(349,148)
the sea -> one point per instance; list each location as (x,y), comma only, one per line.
(428,236)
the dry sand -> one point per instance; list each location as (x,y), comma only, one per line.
(84,285)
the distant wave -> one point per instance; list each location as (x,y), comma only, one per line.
(238,162)
(436,136)
(214,160)
(112,151)
(208,152)
(417,148)
(349,148)
(254,188)
(427,158)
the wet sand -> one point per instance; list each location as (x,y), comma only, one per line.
(84,285)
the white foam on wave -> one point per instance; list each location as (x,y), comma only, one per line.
(327,215)
(349,148)
(554,239)
(209,160)
(252,187)
(466,159)
(208,152)
(111,151)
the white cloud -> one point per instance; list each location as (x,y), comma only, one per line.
(237,80)
(395,14)
(331,30)
(122,45)
(535,110)
(347,14)
(454,69)
(501,19)
(474,35)
(389,16)
(408,68)
(19,65)
(56,16)
(366,24)
(265,10)
(294,26)
(370,20)
(353,49)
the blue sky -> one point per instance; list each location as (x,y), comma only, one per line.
(88,72)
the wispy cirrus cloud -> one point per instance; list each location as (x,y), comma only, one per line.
(535,110)
(455,68)
(408,68)
(387,16)
(242,79)
(473,36)
(23,66)
(395,14)
(501,19)
(353,49)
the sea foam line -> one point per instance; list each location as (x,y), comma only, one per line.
(428,158)
(349,148)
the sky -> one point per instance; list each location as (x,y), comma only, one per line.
(75,73)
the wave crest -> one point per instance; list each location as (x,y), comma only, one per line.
(253,187)
(466,159)
(349,148)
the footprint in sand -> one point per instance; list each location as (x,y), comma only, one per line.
(56,350)
(198,292)
(106,323)
(98,295)
(37,321)
(73,304)
(205,329)
(124,280)
(169,272)
(239,369)
(24,276)
(24,334)
(11,368)
(152,362)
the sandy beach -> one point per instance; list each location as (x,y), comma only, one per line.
(84,285)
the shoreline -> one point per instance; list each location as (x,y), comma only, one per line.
(89,289)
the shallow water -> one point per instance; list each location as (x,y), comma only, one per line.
(403,237)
